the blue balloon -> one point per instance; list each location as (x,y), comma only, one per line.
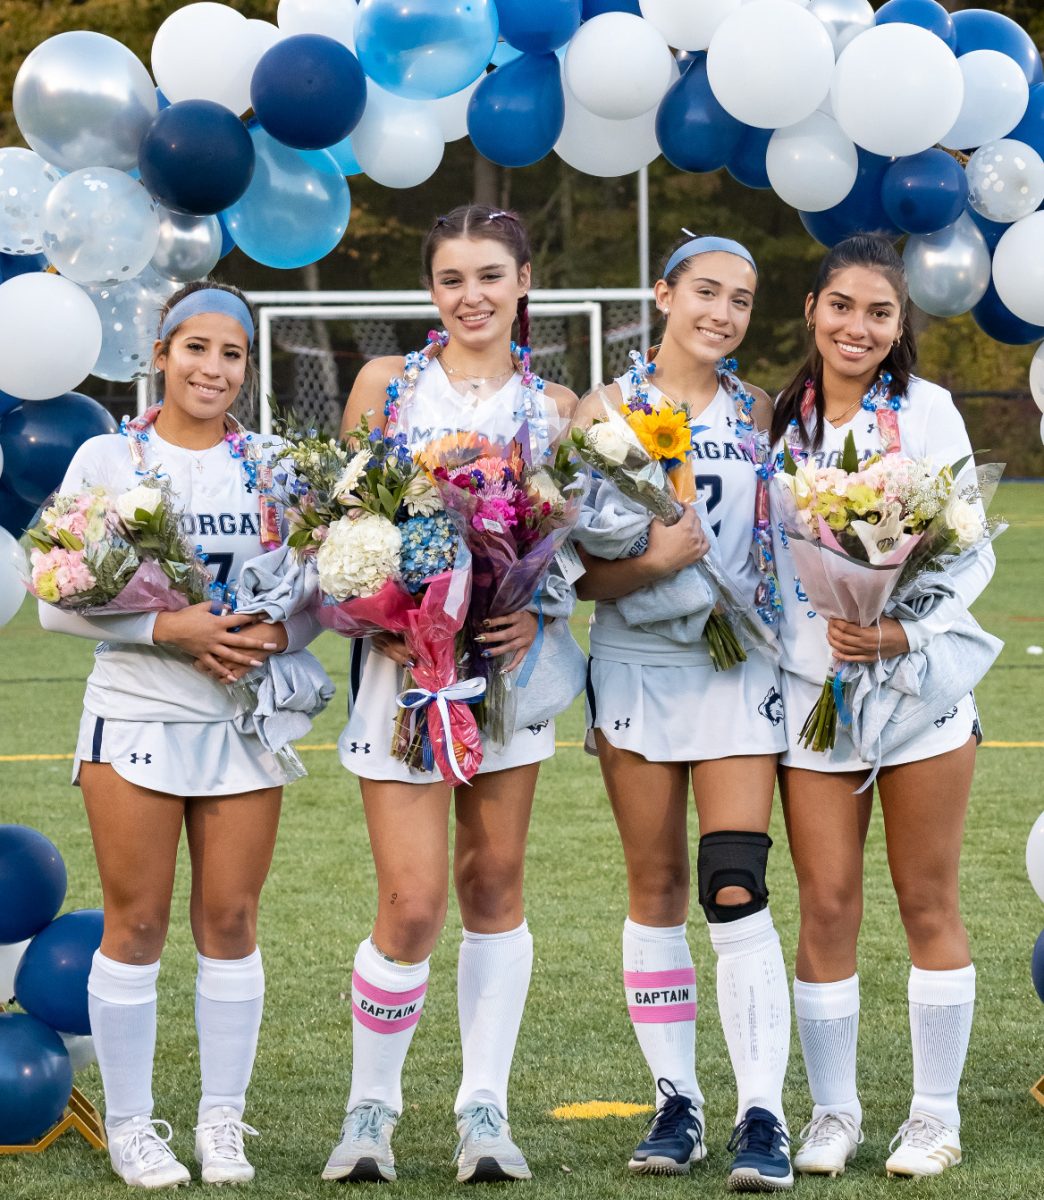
(344,156)
(538,26)
(982,29)
(1001,324)
(16,514)
(40,437)
(308,91)
(1031,128)
(861,211)
(746,163)
(694,131)
(924,192)
(21,264)
(295,210)
(926,13)
(36,1078)
(32,882)
(161,100)
(424,49)
(228,242)
(51,980)
(504,53)
(196,157)
(595,8)
(992,231)
(7,403)
(1037,965)
(516,113)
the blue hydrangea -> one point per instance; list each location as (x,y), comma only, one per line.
(429,546)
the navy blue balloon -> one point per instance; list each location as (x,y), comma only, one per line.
(51,980)
(196,157)
(595,8)
(982,29)
(861,211)
(992,231)
(7,403)
(36,1078)
(1031,128)
(40,437)
(16,514)
(926,13)
(747,161)
(308,91)
(1001,324)
(924,192)
(538,26)
(32,882)
(1037,965)
(694,131)
(21,264)
(516,113)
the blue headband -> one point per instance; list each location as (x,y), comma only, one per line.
(209,300)
(708,245)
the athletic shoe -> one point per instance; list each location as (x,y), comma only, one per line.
(364,1153)
(762,1147)
(926,1147)
(142,1158)
(219,1146)
(828,1145)
(485,1152)
(675,1138)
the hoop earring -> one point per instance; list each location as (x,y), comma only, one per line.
(897,341)
(811,325)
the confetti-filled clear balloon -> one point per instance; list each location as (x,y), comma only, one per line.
(1005,180)
(129,315)
(948,272)
(25,180)
(188,247)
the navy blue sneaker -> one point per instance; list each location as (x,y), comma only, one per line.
(762,1147)
(675,1138)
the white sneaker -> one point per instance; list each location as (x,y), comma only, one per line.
(219,1146)
(828,1145)
(142,1158)
(485,1152)
(364,1153)
(926,1147)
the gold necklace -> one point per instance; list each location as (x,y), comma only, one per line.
(476,381)
(844,412)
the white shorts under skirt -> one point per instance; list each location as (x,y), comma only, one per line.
(364,746)
(208,758)
(950,731)
(686,714)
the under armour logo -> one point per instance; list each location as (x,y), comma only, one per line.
(145,758)
(624,724)
(946,717)
(359,748)
(537,728)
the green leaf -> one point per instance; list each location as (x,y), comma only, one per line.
(849,455)
(298,539)
(789,465)
(69,540)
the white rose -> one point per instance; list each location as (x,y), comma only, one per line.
(136,500)
(359,556)
(965,522)
(543,488)
(609,442)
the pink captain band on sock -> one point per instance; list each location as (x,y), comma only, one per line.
(379,1026)
(661,1014)
(380,996)
(660,979)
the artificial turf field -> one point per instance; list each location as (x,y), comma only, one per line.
(576,1044)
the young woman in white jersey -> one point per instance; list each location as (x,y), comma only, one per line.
(857,379)
(662,716)
(476,263)
(158,752)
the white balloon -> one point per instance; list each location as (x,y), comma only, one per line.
(812,165)
(1005,180)
(684,25)
(843,19)
(81,1050)
(948,272)
(618,66)
(1018,268)
(1,462)
(451,112)
(769,64)
(592,144)
(10,952)
(50,336)
(398,142)
(897,89)
(25,181)
(1036,377)
(204,51)
(996,93)
(1035,856)
(333,18)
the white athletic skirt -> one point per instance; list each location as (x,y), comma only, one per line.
(950,731)
(208,758)
(686,714)
(374,681)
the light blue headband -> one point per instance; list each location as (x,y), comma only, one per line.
(707,245)
(209,300)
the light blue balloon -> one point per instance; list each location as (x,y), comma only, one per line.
(296,208)
(344,157)
(505,53)
(425,49)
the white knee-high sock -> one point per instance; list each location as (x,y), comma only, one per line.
(493,973)
(121,1000)
(754,1006)
(828,1023)
(660,982)
(230,996)
(387,999)
(941,1008)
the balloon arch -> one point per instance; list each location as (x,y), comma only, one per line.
(911,121)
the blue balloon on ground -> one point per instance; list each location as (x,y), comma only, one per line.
(40,437)
(1037,965)
(595,8)
(694,131)
(196,157)
(36,1078)
(21,264)
(992,231)
(51,980)
(308,91)
(926,13)
(1001,324)
(516,113)
(1031,128)
(982,29)
(746,163)
(924,192)
(538,26)
(16,514)
(861,211)
(32,882)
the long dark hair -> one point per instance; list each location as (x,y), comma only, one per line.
(876,253)
(482,221)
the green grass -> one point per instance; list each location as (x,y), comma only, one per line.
(576,1043)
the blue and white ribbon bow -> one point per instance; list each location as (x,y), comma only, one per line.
(416,699)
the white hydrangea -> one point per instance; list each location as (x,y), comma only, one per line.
(358,556)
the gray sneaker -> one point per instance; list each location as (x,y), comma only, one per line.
(485,1152)
(364,1153)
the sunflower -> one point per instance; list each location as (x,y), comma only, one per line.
(664,432)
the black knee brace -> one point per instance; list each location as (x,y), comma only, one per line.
(732,858)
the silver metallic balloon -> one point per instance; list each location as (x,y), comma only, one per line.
(82,99)
(130,319)
(1005,180)
(25,180)
(188,248)
(844,19)
(948,272)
